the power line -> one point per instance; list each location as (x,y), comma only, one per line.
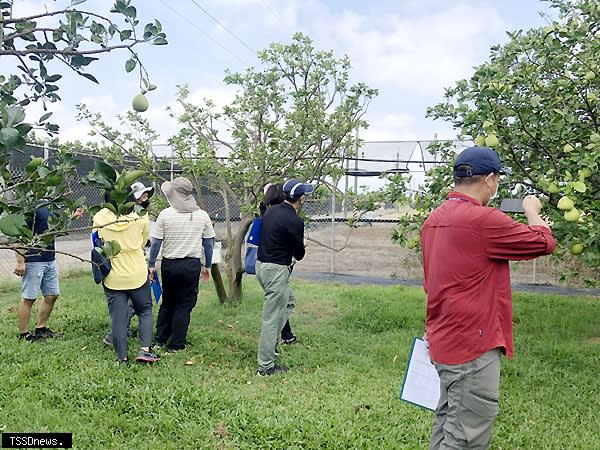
(242,60)
(224,27)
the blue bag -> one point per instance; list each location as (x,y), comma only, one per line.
(254,233)
(250,259)
(101,265)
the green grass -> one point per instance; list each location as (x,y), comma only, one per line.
(341,392)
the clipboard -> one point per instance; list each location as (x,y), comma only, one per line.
(156,288)
(421,384)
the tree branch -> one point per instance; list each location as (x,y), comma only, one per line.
(49,51)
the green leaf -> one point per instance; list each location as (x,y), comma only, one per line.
(44,117)
(116,247)
(53,78)
(130,11)
(43,171)
(105,170)
(9,136)
(130,64)
(16,115)
(33,165)
(131,176)
(54,179)
(125,208)
(80,61)
(80,202)
(12,225)
(89,76)
(107,249)
(579,186)
(118,196)
(24,128)
(160,41)
(57,35)
(124,35)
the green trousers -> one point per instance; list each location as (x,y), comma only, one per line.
(278,304)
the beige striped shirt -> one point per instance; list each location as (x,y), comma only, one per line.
(182,232)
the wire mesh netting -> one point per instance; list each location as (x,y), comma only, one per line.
(365,248)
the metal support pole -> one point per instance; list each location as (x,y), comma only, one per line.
(356,164)
(332,259)
(171,163)
(534,271)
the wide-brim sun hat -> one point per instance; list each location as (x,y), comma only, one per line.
(180,194)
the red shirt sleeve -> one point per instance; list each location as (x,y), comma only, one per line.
(511,240)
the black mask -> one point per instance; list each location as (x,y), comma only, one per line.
(145,204)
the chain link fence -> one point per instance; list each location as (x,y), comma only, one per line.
(365,248)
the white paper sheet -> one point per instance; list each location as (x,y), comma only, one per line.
(421,384)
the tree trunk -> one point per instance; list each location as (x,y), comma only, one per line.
(235,274)
(219,286)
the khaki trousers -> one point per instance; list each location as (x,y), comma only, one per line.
(468,405)
(278,304)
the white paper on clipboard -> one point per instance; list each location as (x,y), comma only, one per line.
(421,385)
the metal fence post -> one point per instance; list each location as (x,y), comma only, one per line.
(332,259)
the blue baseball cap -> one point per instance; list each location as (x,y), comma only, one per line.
(295,188)
(482,161)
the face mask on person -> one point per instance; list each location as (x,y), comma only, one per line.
(145,204)
(495,194)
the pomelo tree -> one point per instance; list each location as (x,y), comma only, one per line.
(536,102)
(35,51)
(296,116)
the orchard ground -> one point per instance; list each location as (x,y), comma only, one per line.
(341,391)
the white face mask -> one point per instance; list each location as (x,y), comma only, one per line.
(494,195)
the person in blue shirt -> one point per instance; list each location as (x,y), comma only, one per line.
(39,271)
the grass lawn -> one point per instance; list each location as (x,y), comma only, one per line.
(341,392)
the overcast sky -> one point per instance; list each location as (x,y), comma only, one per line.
(409,49)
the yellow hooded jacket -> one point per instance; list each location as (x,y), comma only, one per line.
(131,231)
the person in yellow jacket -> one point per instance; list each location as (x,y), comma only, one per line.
(128,278)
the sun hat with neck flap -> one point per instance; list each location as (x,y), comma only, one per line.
(180,194)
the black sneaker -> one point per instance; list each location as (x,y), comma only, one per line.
(272,371)
(289,341)
(29,337)
(46,333)
(277,352)
(122,362)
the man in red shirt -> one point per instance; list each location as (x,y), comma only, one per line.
(466,247)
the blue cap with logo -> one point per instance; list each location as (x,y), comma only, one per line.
(479,161)
(295,188)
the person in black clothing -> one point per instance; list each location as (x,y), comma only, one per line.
(273,195)
(281,239)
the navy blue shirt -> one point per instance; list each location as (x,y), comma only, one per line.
(40,226)
(281,236)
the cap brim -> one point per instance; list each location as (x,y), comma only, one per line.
(505,170)
(308,188)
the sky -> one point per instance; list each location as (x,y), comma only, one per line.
(408,49)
